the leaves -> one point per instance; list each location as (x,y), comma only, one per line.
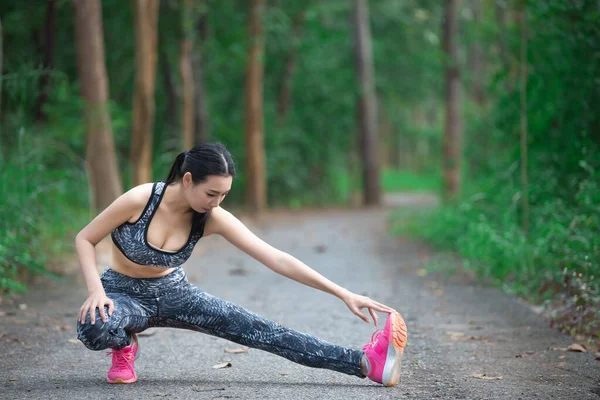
(237,351)
(222,365)
(486,377)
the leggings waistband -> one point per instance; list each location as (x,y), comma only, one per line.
(115,280)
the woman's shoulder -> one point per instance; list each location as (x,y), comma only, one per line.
(139,195)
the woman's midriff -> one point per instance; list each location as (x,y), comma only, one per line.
(122,265)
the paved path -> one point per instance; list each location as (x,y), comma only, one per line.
(456,329)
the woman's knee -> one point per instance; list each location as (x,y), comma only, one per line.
(95,336)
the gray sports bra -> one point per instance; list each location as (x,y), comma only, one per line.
(132,238)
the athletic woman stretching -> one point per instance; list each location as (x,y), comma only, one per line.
(154,228)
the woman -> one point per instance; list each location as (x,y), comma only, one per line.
(154,228)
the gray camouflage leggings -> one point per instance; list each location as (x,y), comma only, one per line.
(171,301)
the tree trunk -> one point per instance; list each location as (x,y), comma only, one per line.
(201,116)
(256,183)
(48,62)
(171,94)
(1,71)
(477,56)
(523,98)
(452,127)
(145,22)
(187,77)
(290,65)
(101,162)
(367,104)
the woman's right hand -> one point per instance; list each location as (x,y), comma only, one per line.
(96,301)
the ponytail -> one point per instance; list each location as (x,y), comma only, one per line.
(175,173)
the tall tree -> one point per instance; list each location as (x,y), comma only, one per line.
(367,104)
(145,14)
(48,61)
(256,182)
(452,127)
(290,65)
(201,116)
(476,56)
(1,65)
(187,74)
(101,160)
(523,100)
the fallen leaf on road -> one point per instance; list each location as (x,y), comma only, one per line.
(527,354)
(15,340)
(22,306)
(63,327)
(1,334)
(237,351)
(558,348)
(12,379)
(561,357)
(222,365)
(481,337)
(597,356)
(455,335)
(2,313)
(284,374)
(577,348)
(75,341)
(489,378)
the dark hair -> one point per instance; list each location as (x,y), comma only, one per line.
(201,161)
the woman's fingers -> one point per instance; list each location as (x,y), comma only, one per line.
(374,315)
(111,307)
(102,313)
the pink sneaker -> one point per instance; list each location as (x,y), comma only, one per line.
(385,351)
(123,362)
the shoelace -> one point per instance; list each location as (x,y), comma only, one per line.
(374,338)
(121,360)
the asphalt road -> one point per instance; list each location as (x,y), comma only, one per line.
(457,328)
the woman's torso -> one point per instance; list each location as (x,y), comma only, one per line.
(156,240)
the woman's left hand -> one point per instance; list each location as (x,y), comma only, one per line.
(357,302)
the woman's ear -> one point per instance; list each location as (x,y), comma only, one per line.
(187,180)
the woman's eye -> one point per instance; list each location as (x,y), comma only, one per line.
(210,195)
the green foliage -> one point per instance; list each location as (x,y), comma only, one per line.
(40,207)
(557,261)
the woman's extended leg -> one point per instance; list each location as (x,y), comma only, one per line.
(191,308)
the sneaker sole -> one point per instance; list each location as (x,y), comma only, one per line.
(393,364)
(119,380)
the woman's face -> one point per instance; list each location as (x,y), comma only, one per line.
(205,196)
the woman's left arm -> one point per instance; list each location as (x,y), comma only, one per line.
(234,231)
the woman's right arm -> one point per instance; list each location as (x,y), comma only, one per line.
(121,210)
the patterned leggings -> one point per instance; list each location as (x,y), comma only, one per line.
(171,301)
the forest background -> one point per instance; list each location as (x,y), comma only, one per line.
(493,104)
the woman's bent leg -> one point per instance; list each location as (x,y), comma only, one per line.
(190,307)
(129,316)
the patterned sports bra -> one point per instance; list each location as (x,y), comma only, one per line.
(132,238)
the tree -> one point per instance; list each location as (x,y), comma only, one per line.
(101,160)
(187,75)
(256,183)
(367,104)
(48,62)
(476,56)
(201,117)
(145,21)
(523,102)
(290,64)
(452,127)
